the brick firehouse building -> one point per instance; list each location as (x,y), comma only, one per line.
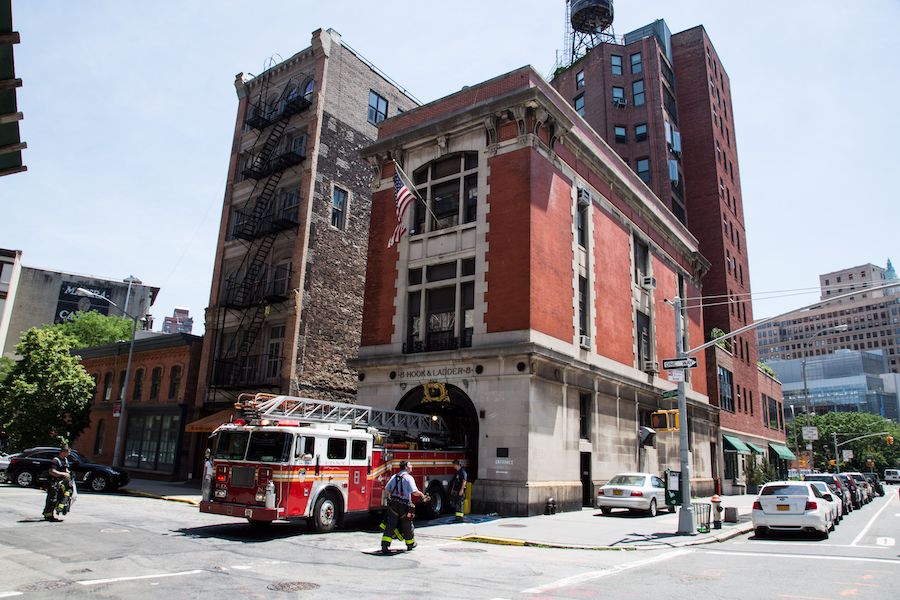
(527,303)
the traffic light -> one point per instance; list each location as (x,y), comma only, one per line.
(832,462)
(890,440)
(664,420)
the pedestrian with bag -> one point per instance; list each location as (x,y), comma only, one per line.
(458,490)
(400,509)
(59,484)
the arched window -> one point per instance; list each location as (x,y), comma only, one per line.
(450,187)
(138,384)
(98,441)
(174,382)
(107,386)
(96,377)
(308,88)
(155,382)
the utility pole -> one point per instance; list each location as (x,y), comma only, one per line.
(686,514)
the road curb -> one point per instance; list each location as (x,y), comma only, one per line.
(140,494)
(710,539)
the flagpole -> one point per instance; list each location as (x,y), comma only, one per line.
(412,188)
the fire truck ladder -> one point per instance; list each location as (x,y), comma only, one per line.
(308,410)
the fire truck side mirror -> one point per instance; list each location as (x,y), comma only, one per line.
(306,457)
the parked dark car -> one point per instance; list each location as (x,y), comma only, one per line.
(876,483)
(30,468)
(837,487)
(855,492)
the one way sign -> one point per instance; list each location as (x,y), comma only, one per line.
(689,362)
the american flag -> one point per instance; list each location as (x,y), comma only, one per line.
(404,198)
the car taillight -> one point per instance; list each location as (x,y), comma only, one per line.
(600,492)
(757,505)
(637,493)
(810,505)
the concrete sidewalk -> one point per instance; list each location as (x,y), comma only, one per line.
(589,529)
(586,528)
(187,492)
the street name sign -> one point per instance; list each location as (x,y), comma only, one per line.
(670,394)
(689,362)
(810,434)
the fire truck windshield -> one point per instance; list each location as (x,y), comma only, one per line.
(269,446)
(258,446)
(232,445)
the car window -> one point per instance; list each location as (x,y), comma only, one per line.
(817,489)
(785,490)
(658,483)
(337,448)
(627,480)
(269,446)
(45,455)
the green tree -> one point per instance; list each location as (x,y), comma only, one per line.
(46,396)
(94,329)
(849,426)
(715,333)
(6,365)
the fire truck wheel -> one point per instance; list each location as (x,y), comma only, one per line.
(438,502)
(327,513)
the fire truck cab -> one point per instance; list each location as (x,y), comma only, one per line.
(296,458)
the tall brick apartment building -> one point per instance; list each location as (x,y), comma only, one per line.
(286,300)
(527,305)
(663,102)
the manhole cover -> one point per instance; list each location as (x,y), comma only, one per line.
(512,525)
(43,586)
(292,586)
(463,550)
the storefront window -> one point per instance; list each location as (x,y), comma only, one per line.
(151,441)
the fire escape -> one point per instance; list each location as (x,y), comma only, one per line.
(257,286)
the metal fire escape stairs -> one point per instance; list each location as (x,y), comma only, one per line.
(308,410)
(266,168)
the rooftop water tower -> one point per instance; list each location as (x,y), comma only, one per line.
(589,23)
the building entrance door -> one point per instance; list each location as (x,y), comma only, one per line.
(586,482)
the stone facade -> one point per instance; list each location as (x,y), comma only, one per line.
(302,338)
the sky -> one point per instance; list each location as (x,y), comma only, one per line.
(130,106)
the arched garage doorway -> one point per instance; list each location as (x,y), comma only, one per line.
(457,410)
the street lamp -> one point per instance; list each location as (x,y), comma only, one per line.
(120,426)
(806,342)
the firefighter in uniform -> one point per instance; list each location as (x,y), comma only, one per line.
(399,517)
(458,490)
(59,484)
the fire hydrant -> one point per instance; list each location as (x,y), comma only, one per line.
(716,511)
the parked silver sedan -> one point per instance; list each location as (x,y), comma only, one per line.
(632,491)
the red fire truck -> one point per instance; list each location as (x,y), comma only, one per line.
(292,458)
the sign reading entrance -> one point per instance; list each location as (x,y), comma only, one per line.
(688,362)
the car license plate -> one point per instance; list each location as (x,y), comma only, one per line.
(617,492)
(783,507)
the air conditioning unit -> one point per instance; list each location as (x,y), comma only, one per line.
(648,283)
(619,101)
(584,341)
(650,366)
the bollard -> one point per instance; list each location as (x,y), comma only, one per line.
(716,511)
(550,509)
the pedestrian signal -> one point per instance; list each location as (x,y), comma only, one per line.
(664,420)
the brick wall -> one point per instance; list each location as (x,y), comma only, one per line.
(612,272)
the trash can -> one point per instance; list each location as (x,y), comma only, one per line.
(702,512)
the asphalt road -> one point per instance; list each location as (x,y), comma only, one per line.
(114,546)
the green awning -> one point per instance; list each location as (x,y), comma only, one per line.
(782,451)
(756,449)
(734,444)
